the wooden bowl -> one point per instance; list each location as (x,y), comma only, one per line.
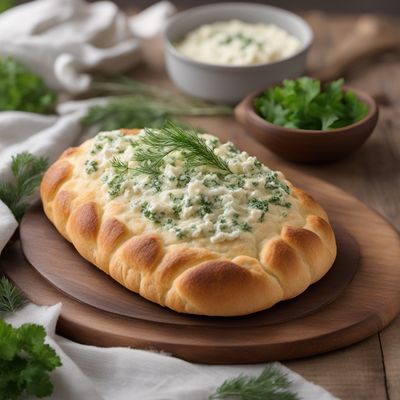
(308,146)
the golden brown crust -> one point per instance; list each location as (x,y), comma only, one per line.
(62,209)
(53,178)
(207,287)
(111,234)
(129,131)
(187,278)
(143,252)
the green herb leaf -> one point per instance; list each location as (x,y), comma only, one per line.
(271,384)
(302,104)
(11,298)
(156,144)
(140,105)
(28,171)
(23,90)
(124,113)
(25,361)
(6,4)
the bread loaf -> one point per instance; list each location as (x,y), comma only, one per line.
(198,242)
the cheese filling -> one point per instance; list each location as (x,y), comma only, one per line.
(238,43)
(196,202)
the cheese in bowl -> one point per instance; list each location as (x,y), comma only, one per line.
(236,42)
(188,222)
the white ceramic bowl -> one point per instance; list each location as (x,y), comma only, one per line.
(229,84)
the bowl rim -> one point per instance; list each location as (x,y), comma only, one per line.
(220,67)
(361,95)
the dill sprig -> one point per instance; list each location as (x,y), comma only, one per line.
(152,148)
(134,104)
(119,165)
(122,167)
(27,171)
(271,384)
(121,85)
(11,298)
(156,144)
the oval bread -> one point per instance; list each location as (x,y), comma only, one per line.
(185,277)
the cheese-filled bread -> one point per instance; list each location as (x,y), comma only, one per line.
(188,222)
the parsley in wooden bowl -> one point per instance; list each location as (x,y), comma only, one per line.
(303,121)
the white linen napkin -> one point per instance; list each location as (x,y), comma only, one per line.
(95,373)
(63,40)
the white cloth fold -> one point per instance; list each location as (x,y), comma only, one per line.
(63,40)
(94,373)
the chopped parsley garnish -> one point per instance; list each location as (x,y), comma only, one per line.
(243,39)
(114,185)
(261,205)
(205,206)
(151,215)
(91,166)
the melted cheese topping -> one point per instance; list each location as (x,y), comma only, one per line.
(198,205)
(238,43)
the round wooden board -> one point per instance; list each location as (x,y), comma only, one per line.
(58,262)
(368,303)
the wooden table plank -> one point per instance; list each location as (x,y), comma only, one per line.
(390,339)
(373,175)
(350,374)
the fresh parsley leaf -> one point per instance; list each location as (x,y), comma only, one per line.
(6,4)
(25,361)
(302,104)
(11,298)
(271,384)
(28,171)
(22,90)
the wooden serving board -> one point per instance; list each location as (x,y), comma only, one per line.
(65,269)
(334,313)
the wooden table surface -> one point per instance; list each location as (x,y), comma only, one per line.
(371,368)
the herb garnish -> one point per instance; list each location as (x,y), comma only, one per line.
(6,4)
(126,113)
(156,144)
(140,105)
(23,90)
(11,298)
(91,166)
(271,384)
(261,205)
(25,361)
(200,198)
(302,104)
(27,170)
(243,39)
